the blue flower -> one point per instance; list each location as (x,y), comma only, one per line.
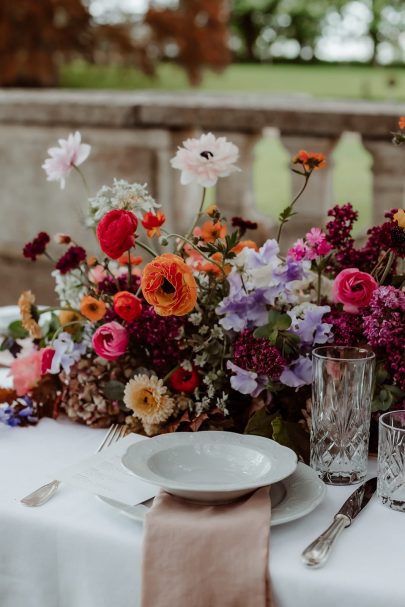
(246,382)
(298,373)
(306,322)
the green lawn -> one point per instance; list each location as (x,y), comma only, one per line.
(355,82)
(352,179)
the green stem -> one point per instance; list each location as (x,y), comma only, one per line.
(56,309)
(86,187)
(283,221)
(196,218)
(129,270)
(186,240)
(388,267)
(68,324)
(146,248)
(166,377)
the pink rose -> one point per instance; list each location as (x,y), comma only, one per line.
(353,289)
(26,372)
(110,341)
(47,355)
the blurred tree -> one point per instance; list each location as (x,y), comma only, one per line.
(37,35)
(193,35)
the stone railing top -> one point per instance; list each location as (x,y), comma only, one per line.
(239,112)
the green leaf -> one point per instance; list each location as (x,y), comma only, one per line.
(260,424)
(16,330)
(114,390)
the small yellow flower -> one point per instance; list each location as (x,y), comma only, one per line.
(399,217)
(26,303)
(148,398)
(67,318)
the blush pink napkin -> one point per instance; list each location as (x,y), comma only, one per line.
(207,556)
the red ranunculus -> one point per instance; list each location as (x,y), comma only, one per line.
(127,305)
(116,232)
(184,381)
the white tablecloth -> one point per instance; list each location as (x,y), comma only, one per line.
(78,552)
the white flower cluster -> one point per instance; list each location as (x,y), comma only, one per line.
(122,195)
(69,288)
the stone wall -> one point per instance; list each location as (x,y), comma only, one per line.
(134,135)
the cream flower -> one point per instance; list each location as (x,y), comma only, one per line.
(26,303)
(147,397)
(205,159)
(70,153)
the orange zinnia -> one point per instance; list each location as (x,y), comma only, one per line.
(135,259)
(244,244)
(211,231)
(309,160)
(402,122)
(169,286)
(92,308)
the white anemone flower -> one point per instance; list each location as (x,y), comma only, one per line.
(70,153)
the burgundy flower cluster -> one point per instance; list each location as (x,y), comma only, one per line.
(71,259)
(152,332)
(346,327)
(384,326)
(258,355)
(36,247)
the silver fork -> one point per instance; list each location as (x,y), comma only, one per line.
(43,494)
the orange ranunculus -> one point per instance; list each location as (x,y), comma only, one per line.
(309,160)
(244,244)
(93,309)
(152,222)
(210,231)
(168,285)
(135,259)
(127,305)
(402,122)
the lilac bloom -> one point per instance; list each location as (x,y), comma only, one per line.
(306,322)
(246,382)
(298,373)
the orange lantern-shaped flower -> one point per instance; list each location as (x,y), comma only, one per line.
(169,286)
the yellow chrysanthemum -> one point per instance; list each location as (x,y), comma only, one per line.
(26,303)
(147,397)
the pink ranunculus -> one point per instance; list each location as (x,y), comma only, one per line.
(70,153)
(353,289)
(206,159)
(26,372)
(47,355)
(110,341)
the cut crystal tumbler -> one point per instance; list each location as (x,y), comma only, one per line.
(341,410)
(391,460)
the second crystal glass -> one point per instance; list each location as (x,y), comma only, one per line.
(341,410)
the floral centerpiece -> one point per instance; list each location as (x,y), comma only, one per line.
(168,332)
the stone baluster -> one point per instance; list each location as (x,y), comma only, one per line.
(388,177)
(317,197)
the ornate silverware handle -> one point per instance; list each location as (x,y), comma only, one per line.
(317,553)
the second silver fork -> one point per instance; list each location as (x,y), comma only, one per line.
(43,494)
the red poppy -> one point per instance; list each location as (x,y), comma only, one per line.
(152,222)
(184,381)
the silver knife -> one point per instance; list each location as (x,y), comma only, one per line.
(317,553)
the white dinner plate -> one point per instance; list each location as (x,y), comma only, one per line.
(209,466)
(292,498)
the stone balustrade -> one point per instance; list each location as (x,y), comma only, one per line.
(134,135)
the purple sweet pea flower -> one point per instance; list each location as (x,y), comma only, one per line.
(298,373)
(306,322)
(240,308)
(246,382)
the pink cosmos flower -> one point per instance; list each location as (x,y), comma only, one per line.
(205,159)
(110,341)
(26,372)
(354,289)
(70,153)
(317,243)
